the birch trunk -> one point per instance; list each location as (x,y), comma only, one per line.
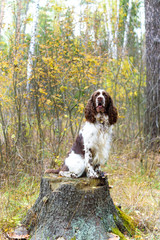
(32,45)
(25,17)
(18,23)
(117,27)
(125,39)
(111,49)
(1,14)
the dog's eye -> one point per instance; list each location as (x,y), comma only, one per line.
(103,94)
(97,94)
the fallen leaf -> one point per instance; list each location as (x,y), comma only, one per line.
(113,236)
(19,233)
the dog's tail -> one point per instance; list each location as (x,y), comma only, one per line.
(55,171)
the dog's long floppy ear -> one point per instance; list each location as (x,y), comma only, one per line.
(112,112)
(90,110)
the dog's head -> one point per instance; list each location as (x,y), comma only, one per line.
(101,102)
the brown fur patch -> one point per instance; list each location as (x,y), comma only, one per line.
(78,146)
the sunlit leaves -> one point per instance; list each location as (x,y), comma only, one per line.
(67,68)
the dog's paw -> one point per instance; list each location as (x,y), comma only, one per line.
(92,175)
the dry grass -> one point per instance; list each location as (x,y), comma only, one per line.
(16,197)
(137,190)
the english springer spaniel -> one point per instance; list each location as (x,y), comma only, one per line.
(92,145)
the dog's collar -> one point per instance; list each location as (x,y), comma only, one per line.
(102,119)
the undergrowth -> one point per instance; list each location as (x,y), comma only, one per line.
(16,198)
(136,188)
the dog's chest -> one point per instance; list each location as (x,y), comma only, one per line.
(101,137)
(96,134)
(102,126)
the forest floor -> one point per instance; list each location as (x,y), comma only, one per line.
(135,188)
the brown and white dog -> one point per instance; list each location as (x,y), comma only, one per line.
(92,145)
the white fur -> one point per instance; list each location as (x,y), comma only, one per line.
(100,91)
(76,165)
(97,138)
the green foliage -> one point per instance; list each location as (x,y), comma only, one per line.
(37,128)
(67,67)
(16,199)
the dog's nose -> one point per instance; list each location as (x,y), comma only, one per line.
(100,99)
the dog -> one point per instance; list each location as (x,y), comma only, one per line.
(91,147)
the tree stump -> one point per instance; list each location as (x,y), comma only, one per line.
(68,208)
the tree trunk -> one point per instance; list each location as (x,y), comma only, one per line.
(18,24)
(2,6)
(112,46)
(75,209)
(5,132)
(32,44)
(116,29)
(125,39)
(152,22)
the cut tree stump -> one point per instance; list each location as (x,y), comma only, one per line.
(80,209)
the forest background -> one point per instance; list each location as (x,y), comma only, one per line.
(52,57)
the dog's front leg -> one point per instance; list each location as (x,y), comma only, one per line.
(91,173)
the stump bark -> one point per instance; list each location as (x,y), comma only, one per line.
(80,209)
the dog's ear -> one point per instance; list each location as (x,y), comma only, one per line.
(90,110)
(112,112)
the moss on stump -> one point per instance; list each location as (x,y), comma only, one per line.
(80,209)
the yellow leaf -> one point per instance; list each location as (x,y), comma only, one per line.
(48,102)
(42,91)
(63,88)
